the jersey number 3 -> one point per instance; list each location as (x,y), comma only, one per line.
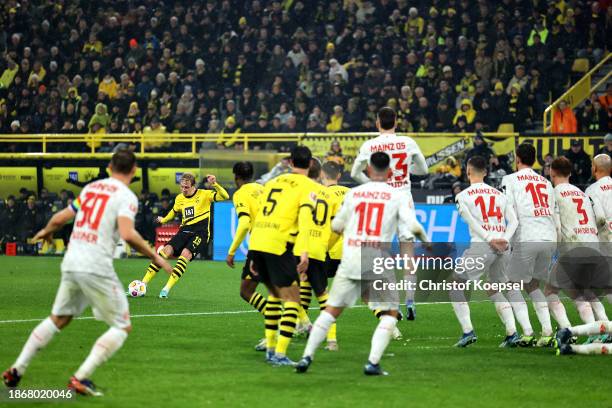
(91,210)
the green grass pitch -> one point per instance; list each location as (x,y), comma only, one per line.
(196,349)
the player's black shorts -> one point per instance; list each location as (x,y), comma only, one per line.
(246,270)
(331,266)
(194,241)
(278,270)
(316,275)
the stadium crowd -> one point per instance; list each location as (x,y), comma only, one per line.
(294,66)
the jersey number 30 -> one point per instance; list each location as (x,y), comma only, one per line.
(91,210)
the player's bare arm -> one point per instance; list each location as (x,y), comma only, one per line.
(55,223)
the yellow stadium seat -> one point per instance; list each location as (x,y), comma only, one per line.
(505,128)
(580,65)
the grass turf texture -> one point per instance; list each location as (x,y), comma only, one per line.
(208,359)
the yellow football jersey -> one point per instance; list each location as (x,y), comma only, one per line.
(195,209)
(337,197)
(246,203)
(319,226)
(276,223)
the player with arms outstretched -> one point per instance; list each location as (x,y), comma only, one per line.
(193,204)
(406,157)
(533,199)
(246,203)
(103,213)
(371,213)
(492,223)
(283,218)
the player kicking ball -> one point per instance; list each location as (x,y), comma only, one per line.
(373,213)
(103,212)
(492,224)
(193,204)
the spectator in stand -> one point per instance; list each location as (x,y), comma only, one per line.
(480,148)
(466,112)
(607,147)
(581,164)
(335,153)
(564,120)
(335,120)
(497,170)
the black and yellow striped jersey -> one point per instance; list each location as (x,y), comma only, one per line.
(195,209)
(337,198)
(246,203)
(319,226)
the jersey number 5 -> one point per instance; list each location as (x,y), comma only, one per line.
(91,210)
(366,213)
(268,209)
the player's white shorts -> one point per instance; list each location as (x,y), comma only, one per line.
(105,296)
(346,292)
(483,261)
(530,260)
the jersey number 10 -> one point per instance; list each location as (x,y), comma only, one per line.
(367,211)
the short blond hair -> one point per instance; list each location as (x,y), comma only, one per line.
(188,177)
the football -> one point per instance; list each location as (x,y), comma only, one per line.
(137,288)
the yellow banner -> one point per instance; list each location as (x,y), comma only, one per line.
(161,178)
(12,179)
(557,146)
(435,148)
(55,178)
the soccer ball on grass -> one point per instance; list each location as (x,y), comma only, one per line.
(137,288)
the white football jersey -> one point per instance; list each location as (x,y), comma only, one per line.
(405,154)
(372,214)
(600,194)
(95,233)
(533,199)
(576,217)
(486,212)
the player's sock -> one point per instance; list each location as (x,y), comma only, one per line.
(410,292)
(39,338)
(520,311)
(599,310)
(305,299)
(462,311)
(609,298)
(102,350)
(558,310)
(541,308)
(177,272)
(331,334)
(595,348)
(504,311)
(287,327)
(592,329)
(585,311)
(318,333)
(378,313)
(272,315)
(258,302)
(381,337)
(153,269)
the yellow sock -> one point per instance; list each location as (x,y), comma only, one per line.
(287,327)
(377,313)
(178,271)
(331,334)
(258,302)
(153,269)
(272,314)
(305,298)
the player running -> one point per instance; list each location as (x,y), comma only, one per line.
(578,250)
(371,213)
(533,199)
(283,218)
(492,224)
(193,204)
(406,158)
(246,203)
(104,212)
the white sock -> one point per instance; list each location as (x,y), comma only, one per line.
(102,350)
(609,298)
(599,310)
(585,311)
(595,348)
(381,337)
(318,334)
(558,310)
(541,308)
(39,338)
(504,311)
(462,311)
(410,292)
(592,329)
(520,311)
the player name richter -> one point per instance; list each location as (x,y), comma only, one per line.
(429,285)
